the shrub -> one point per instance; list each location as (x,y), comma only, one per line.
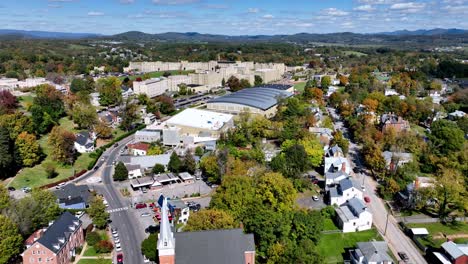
(104,246)
(93,238)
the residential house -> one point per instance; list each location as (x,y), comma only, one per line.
(375,252)
(146,162)
(354,216)
(134,171)
(335,160)
(452,253)
(145,182)
(395,159)
(344,191)
(73,196)
(410,195)
(177,207)
(332,178)
(111,118)
(228,246)
(84,142)
(456,115)
(395,122)
(324,134)
(138,149)
(57,243)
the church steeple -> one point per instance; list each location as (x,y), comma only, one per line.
(166,241)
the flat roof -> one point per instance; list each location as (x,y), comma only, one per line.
(202,119)
(261,98)
(185,176)
(419,231)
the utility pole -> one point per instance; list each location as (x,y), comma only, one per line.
(386,224)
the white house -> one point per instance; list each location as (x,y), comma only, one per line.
(84,142)
(354,216)
(335,160)
(138,149)
(374,252)
(134,171)
(346,190)
(332,178)
(148,135)
(396,159)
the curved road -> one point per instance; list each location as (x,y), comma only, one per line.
(396,239)
(128,228)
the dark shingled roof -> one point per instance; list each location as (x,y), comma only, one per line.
(59,229)
(83,138)
(213,247)
(73,191)
(261,98)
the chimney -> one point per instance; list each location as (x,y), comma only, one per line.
(416,183)
(343,167)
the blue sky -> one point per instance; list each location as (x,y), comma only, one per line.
(233,17)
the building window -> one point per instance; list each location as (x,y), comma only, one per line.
(31,260)
(39,259)
(34,252)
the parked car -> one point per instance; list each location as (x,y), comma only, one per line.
(104,201)
(116,240)
(363,188)
(96,167)
(315,198)
(11,189)
(114,230)
(151,229)
(145,259)
(116,235)
(367,199)
(118,248)
(403,256)
(79,214)
(116,145)
(26,189)
(140,206)
(120,258)
(145,214)
(194,206)
(356,170)
(151,205)
(315,181)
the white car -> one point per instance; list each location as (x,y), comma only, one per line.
(315,198)
(145,214)
(117,245)
(116,240)
(104,201)
(116,235)
(363,188)
(145,259)
(79,214)
(118,249)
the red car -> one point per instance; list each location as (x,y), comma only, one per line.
(158,216)
(120,258)
(367,199)
(151,205)
(140,206)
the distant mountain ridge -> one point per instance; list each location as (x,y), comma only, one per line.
(35,34)
(427,32)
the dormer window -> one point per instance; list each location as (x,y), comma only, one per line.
(61,240)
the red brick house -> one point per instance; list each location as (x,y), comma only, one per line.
(453,253)
(391,120)
(227,246)
(55,244)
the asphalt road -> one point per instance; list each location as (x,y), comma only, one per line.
(396,239)
(128,228)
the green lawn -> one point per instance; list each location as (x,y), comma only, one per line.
(90,252)
(25,101)
(299,86)
(158,74)
(352,52)
(332,246)
(95,261)
(450,229)
(329,225)
(36,176)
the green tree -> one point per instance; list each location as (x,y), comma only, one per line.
(149,247)
(11,242)
(210,167)
(28,148)
(129,115)
(325,82)
(258,80)
(339,140)
(244,83)
(103,130)
(62,143)
(6,154)
(97,212)
(120,172)
(199,151)
(93,238)
(175,164)
(47,108)
(158,168)
(189,162)
(82,85)
(450,192)
(84,115)
(4,197)
(446,137)
(234,84)
(110,92)
(209,219)
(292,162)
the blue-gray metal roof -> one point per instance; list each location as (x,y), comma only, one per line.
(356,206)
(261,98)
(59,229)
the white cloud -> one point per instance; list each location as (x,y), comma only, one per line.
(95,13)
(463,9)
(379,2)
(364,8)
(54,6)
(253,10)
(268,16)
(174,2)
(127,1)
(335,12)
(61,1)
(410,7)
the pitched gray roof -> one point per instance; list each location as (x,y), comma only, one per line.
(375,251)
(334,192)
(346,184)
(334,175)
(455,250)
(72,191)
(83,138)
(213,247)
(59,229)
(356,206)
(262,98)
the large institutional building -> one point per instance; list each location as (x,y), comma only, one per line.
(206,74)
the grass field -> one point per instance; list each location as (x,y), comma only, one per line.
(329,225)
(332,246)
(95,261)
(299,86)
(158,74)
(25,101)
(351,52)
(450,229)
(36,176)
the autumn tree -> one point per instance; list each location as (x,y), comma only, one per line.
(11,242)
(129,115)
(325,82)
(28,149)
(103,130)
(371,105)
(166,104)
(8,102)
(110,92)
(209,219)
(62,143)
(16,123)
(234,84)
(340,140)
(450,191)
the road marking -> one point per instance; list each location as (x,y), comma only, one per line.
(117,209)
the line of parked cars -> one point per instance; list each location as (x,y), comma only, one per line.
(115,237)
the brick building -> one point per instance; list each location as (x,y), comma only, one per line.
(55,244)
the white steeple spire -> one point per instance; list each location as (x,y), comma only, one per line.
(166,241)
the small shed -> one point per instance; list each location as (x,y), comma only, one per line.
(419,231)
